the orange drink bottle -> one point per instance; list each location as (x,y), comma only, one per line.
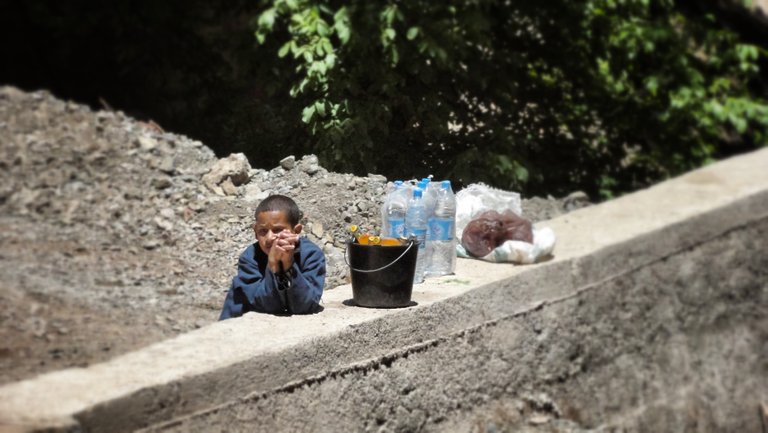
(357,232)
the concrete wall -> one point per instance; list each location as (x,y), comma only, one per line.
(652,316)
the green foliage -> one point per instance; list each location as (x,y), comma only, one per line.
(547,96)
(542,97)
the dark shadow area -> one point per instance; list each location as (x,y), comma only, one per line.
(352,303)
(191,67)
(318,309)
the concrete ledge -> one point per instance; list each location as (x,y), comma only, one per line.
(474,337)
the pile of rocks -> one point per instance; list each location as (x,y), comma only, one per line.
(115,233)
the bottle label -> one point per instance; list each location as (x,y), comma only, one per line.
(396,228)
(441,229)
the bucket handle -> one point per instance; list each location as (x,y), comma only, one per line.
(410,244)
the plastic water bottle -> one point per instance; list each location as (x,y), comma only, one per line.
(430,195)
(430,198)
(442,232)
(416,225)
(393,212)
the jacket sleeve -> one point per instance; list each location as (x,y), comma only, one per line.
(308,277)
(252,291)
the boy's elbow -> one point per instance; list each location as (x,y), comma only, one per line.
(309,308)
(308,305)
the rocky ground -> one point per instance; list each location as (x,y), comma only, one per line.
(115,234)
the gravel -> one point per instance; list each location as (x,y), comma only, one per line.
(115,234)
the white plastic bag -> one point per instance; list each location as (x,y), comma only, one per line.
(478,198)
(518,251)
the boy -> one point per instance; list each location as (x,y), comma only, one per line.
(280,273)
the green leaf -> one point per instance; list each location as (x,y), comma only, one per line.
(341,14)
(342,31)
(521,173)
(652,84)
(413,32)
(307,113)
(320,108)
(389,14)
(303,85)
(267,19)
(738,122)
(504,163)
(297,50)
(322,28)
(284,50)
(321,67)
(327,46)
(717,110)
(341,25)
(330,61)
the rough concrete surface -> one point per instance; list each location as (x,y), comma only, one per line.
(652,316)
(675,347)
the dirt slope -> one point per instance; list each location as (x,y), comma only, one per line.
(115,234)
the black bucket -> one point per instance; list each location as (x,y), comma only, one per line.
(382,276)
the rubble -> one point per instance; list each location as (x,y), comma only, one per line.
(122,234)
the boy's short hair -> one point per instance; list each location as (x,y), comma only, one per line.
(280,203)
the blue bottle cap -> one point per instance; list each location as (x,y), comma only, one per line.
(446,184)
(417,193)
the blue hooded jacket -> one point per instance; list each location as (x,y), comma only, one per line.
(257,288)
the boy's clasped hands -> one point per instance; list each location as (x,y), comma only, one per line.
(281,250)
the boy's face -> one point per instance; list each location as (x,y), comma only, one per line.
(269,224)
